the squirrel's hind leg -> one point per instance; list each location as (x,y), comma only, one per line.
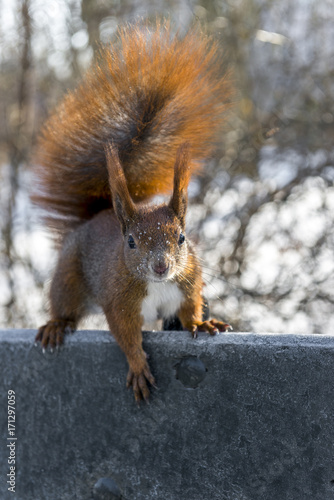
(194,316)
(52,333)
(67,300)
(174,324)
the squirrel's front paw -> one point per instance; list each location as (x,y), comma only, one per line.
(139,383)
(53,332)
(211,326)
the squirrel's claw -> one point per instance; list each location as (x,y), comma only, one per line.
(139,384)
(221,326)
(211,326)
(194,332)
(52,334)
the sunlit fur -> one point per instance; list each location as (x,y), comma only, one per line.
(163,300)
(137,126)
(149,91)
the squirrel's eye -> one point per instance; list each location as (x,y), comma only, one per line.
(181,239)
(131,242)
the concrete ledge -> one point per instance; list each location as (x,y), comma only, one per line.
(236,417)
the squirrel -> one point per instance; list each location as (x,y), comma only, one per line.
(144,118)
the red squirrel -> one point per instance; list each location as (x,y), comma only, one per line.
(139,125)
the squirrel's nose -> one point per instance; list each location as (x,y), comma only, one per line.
(160,268)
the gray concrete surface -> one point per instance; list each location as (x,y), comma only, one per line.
(235,417)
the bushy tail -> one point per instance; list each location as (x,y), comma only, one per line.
(147,93)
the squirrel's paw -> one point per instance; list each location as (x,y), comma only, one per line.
(52,334)
(139,383)
(211,326)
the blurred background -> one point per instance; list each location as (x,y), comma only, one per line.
(262,212)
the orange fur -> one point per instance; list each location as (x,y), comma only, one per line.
(148,111)
(135,262)
(147,94)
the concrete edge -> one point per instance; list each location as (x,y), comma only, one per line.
(27,336)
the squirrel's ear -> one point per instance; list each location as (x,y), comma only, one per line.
(122,203)
(182,173)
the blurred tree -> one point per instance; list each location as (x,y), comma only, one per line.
(261,211)
(16,127)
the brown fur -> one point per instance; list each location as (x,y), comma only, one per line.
(147,94)
(97,264)
(135,127)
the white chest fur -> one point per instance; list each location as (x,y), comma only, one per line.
(163,300)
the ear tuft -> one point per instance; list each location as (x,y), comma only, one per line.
(182,174)
(122,203)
